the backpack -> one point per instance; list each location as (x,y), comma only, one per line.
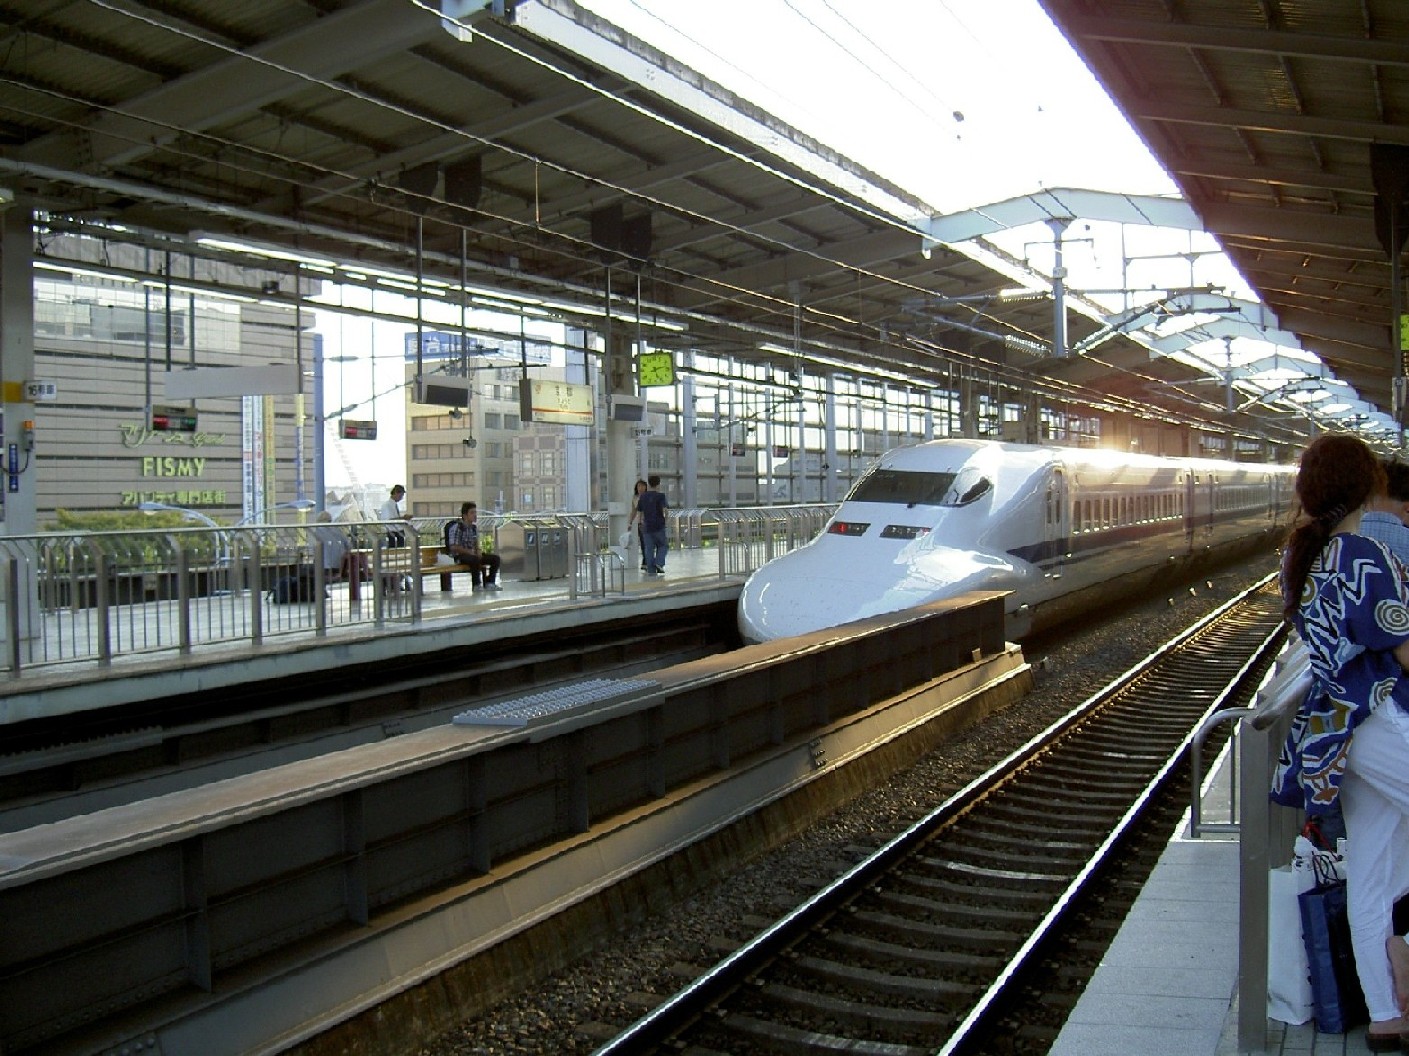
(445,535)
(295,589)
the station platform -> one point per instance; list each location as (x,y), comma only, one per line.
(458,617)
(1168,983)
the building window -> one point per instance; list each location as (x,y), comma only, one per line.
(442,480)
(426,452)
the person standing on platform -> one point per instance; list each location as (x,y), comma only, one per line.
(651,505)
(391,511)
(1347,598)
(1387,516)
(464,545)
(339,559)
(634,519)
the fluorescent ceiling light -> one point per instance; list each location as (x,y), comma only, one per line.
(261,249)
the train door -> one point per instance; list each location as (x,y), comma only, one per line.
(1058,526)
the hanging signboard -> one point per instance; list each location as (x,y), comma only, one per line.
(559,402)
(352,430)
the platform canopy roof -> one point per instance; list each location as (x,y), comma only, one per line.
(1286,125)
(537,155)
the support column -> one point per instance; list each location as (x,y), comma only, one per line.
(17,366)
(968,406)
(689,441)
(1032,417)
(577,439)
(1059,224)
(829,441)
(621,445)
(18,507)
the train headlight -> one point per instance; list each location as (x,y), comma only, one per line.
(848,527)
(903,531)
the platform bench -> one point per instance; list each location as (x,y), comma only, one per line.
(429,566)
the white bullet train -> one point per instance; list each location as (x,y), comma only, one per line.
(1062,528)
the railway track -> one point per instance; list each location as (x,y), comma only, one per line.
(76,764)
(972,930)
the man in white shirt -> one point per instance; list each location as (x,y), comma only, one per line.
(391,511)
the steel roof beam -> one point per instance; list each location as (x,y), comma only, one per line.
(1284,176)
(1232,38)
(1287,224)
(214,94)
(1227,117)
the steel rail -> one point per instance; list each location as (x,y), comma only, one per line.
(670,1018)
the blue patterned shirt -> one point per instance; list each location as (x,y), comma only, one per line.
(1354,612)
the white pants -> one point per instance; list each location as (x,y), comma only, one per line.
(1375,799)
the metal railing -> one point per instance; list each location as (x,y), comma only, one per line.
(91,597)
(1266,830)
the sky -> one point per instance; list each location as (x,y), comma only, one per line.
(959,102)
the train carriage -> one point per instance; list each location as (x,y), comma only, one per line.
(1062,529)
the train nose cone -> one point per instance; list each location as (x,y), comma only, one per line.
(799,593)
(780,604)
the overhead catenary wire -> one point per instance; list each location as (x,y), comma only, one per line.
(736,295)
(366,97)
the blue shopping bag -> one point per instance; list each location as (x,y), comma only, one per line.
(1337,1001)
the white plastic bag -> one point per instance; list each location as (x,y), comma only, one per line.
(628,539)
(1288,975)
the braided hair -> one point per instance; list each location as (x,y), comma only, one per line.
(1338,473)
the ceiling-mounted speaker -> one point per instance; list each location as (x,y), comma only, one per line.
(419,182)
(606,226)
(1389,171)
(464,181)
(636,236)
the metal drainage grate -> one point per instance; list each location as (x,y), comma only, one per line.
(553,703)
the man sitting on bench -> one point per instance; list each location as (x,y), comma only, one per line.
(463,544)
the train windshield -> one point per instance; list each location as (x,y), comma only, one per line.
(921,489)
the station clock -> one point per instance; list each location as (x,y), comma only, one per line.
(655,368)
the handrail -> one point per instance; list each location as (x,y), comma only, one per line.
(1197,826)
(1266,831)
(76,596)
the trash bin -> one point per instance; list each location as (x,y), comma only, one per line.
(553,553)
(533,551)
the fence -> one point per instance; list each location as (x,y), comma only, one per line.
(1265,831)
(91,597)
